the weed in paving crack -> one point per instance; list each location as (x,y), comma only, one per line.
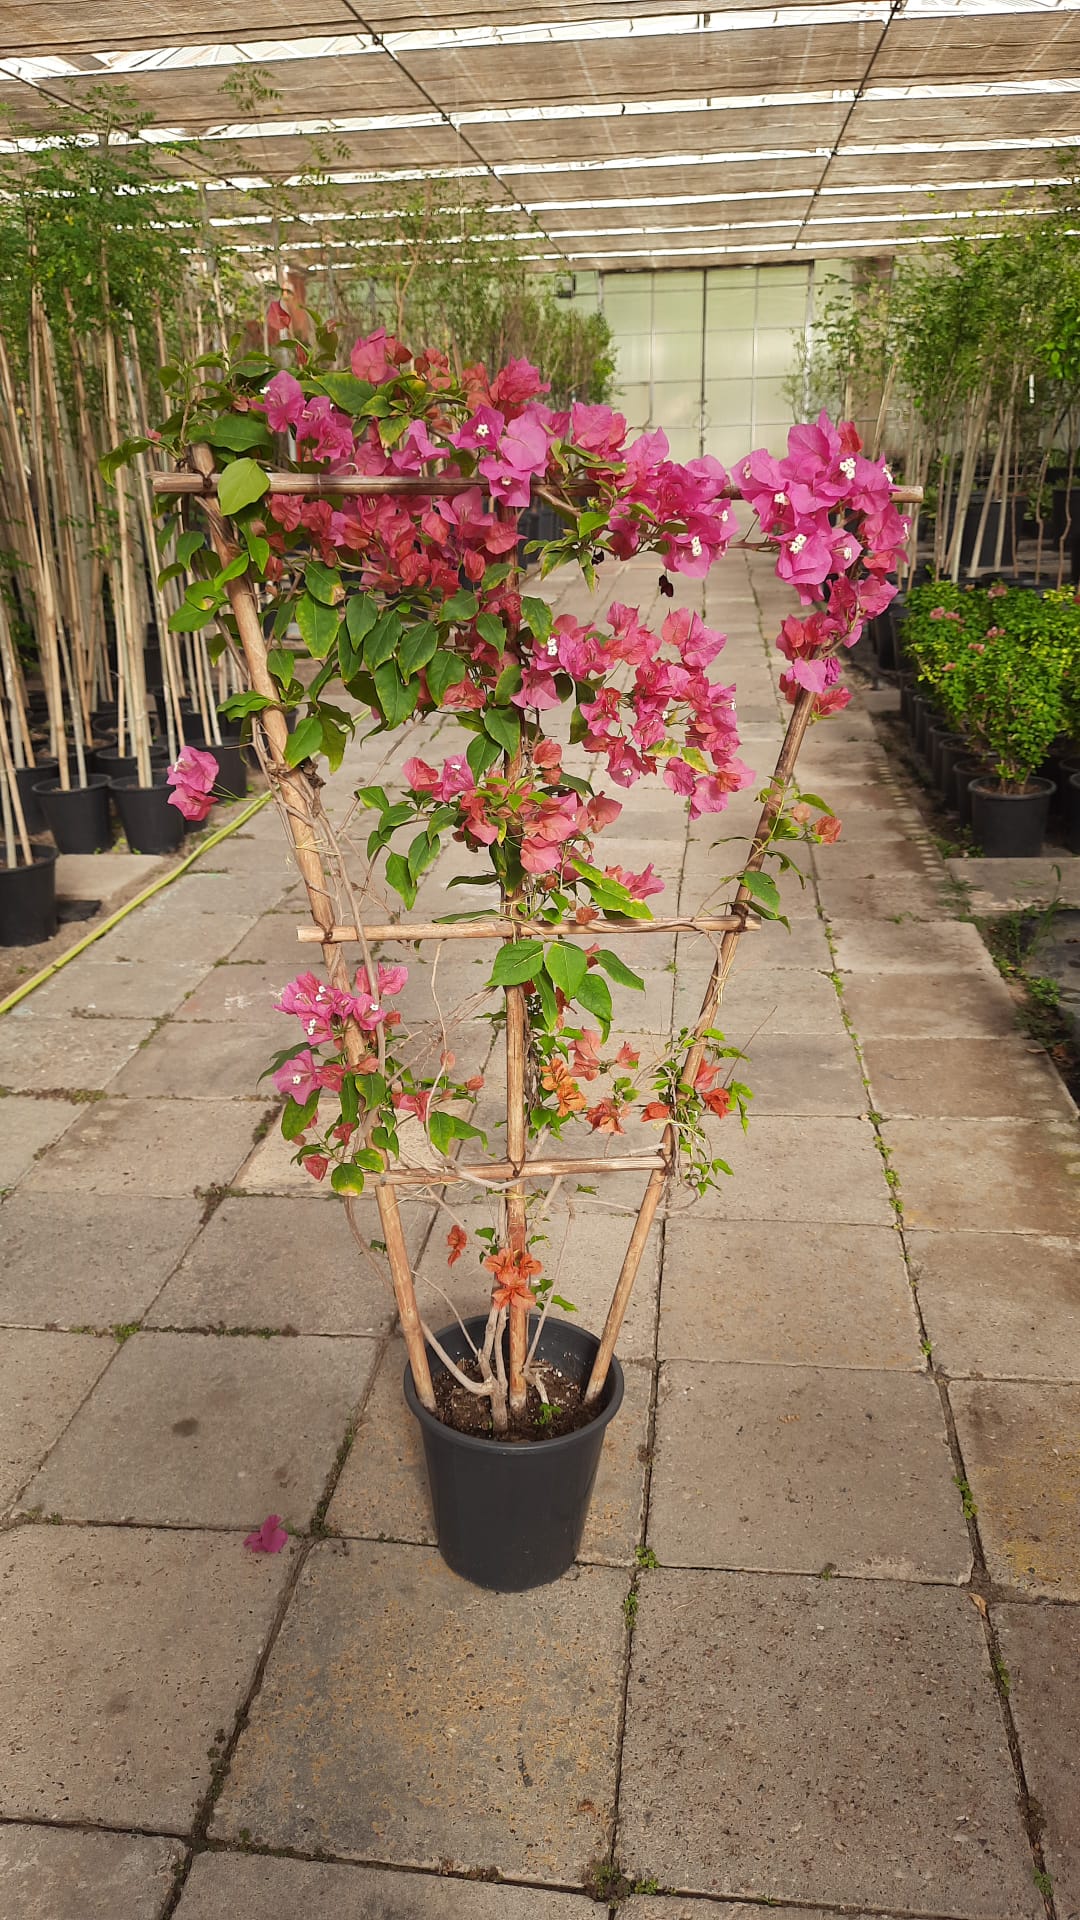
(645,1557)
(966,1496)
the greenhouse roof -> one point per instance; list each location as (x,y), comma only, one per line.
(635,136)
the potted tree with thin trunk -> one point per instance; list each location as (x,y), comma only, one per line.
(379,519)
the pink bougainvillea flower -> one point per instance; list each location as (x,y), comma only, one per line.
(626,1057)
(482,433)
(269,1538)
(604,1117)
(827,829)
(314,1004)
(457,1240)
(586,1055)
(516,384)
(597,429)
(299,1077)
(316,1164)
(284,400)
(377,357)
(638,885)
(656,1110)
(191,777)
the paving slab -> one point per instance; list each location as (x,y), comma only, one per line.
(909,946)
(241,992)
(817,1468)
(1021,1446)
(760,1000)
(53,1873)
(107,877)
(27,1127)
(1013,1175)
(827,1742)
(930,1006)
(267,1261)
(383,1490)
(491,1720)
(200,1061)
(677,1906)
(898,898)
(161,930)
(881,857)
(131,989)
(980,1079)
(272,943)
(76,1260)
(797,1074)
(800,944)
(1000,1304)
(208,892)
(200,1430)
(148,1638)
(44,1378)
(776,1168)
(172,1148)
(777,1294)
(1041,1650)
(229,1886)
(997,886)
(65,1053)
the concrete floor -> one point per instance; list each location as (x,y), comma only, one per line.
(851,1684)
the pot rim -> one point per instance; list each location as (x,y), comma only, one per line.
(93,781)
(505,1449)
(43,857)
(1036,789)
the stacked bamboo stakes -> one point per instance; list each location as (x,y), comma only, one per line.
(298,794)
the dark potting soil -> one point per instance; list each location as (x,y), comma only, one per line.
(467,1413)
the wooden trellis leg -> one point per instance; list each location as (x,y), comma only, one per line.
(297,796)
(802,713)
(515,1199)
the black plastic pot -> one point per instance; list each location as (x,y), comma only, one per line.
(103,719)
(26,779)
(964,772)
(954,748)
(79,819)
(907,697)
(150,823)
(1010,826)
(510,1514)
(885,640)
(28,901)
(1072,813)
(125,766)
(231,783)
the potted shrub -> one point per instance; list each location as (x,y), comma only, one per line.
(383,522)
(28,873)
(1014,710)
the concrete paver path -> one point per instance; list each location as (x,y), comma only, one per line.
(822,1649)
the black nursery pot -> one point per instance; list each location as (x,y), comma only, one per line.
(1010,826)
(1072,813)
(28,901)
(79,819)
(26,779)
(150,823)
(231,783)
(509,1514)
(964,772)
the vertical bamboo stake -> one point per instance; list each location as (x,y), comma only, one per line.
(14,817)
(98,672)
(49,629)
(129,649)
(515,1198)
(296,795)
(801,715)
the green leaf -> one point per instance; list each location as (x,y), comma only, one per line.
(399,877)
(238,432)
(238,704)
(361,613)
(381,642)
(233,571)
(482,754)
(417,648)
(318,625)
(445,1127)
(373,797)
(537,616)
(258,548)
(507,684)
(335,739)
(346,391)
(423,853)
(764,892)
(242,482)
(516,962)
(189,619)
(444,670)
(189,544)
(548,1003)
(567,966)
(323,583)
(394,428)
(111,463)
(171,572)
(281,664)
(396,700)
(347,1180)
(618,970)
(460,607)
(491,629)
(594,995)
(297,1118)
(306,740)
(505,728)
(367,1158)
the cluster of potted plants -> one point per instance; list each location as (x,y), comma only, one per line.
(380,518)
(993,701)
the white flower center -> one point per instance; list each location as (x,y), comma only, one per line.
(798,543)
(311,1025)
(695,547)
(724,515)
(847,467)
(298,1079)
(553,649)
(887,475)
(780,499)
(846,552)
(482,431)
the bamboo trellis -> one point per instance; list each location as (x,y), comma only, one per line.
(298,793)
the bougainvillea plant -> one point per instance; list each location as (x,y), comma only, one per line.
(375,513)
